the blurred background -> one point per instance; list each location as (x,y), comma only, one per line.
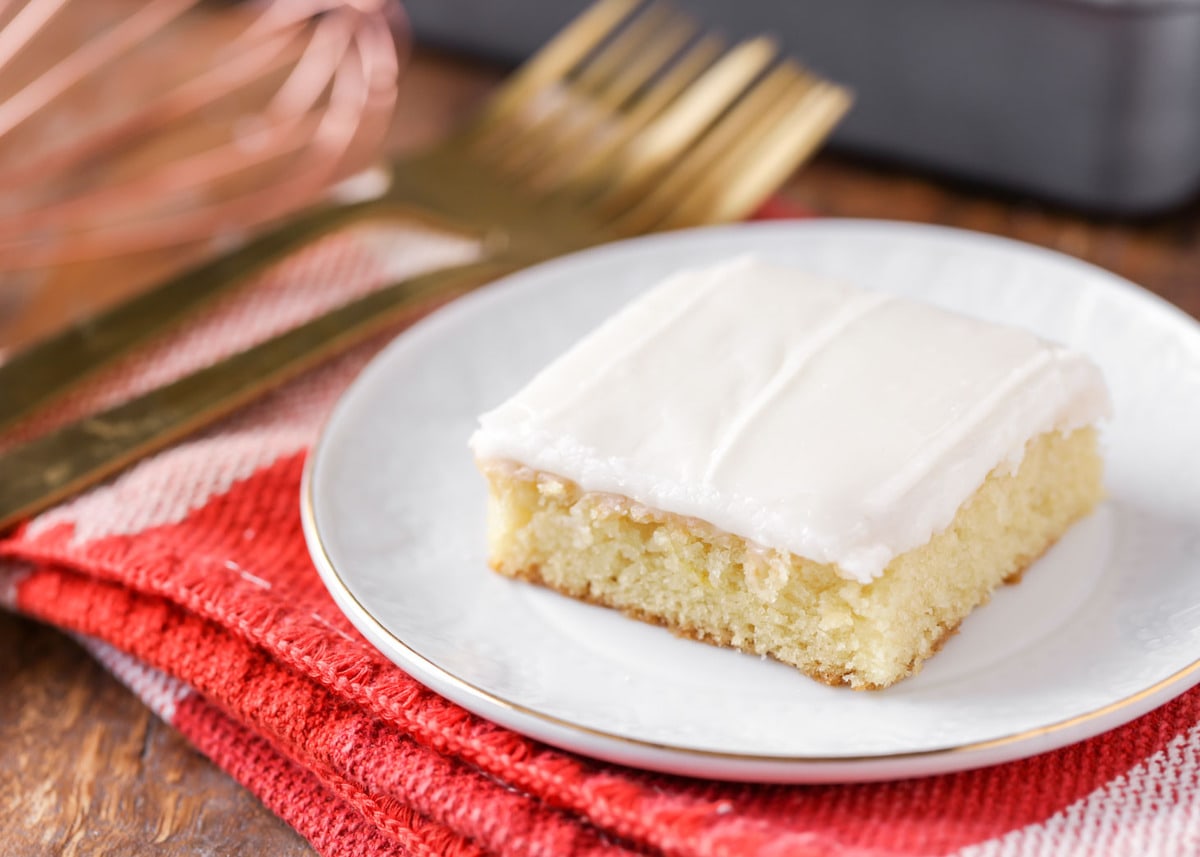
(1090,103)
(136,138)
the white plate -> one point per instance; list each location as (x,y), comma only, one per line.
(1104,628)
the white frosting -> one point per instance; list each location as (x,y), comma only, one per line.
(805,415)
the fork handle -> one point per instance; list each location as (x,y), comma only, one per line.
(39,473)
(33,377)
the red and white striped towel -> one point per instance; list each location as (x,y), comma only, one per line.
(187,576)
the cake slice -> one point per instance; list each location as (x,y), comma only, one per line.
(792,466)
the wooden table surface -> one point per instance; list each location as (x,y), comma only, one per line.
(85,769)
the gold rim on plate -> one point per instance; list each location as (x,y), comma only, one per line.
(331,575)
(1143,701)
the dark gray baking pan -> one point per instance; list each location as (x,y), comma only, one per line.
(1091,103)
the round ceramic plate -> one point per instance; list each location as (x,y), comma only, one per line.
(1102,629)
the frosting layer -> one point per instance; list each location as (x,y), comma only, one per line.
(805,415)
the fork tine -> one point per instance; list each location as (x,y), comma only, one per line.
(598,70)
(572,105)
(632,76)
(766,99)
(618,123)
(596,120)
(684,120)
(593,167)
(735,187)
(552,63)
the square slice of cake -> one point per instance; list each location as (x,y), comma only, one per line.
(793,466)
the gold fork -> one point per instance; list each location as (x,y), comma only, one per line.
(623,124)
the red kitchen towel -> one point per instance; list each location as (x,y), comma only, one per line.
(188,577)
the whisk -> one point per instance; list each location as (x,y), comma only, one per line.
(122,129)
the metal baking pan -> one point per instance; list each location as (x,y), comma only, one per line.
(1091,103)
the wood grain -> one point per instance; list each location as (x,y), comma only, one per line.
(1162,254)
(85,769)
